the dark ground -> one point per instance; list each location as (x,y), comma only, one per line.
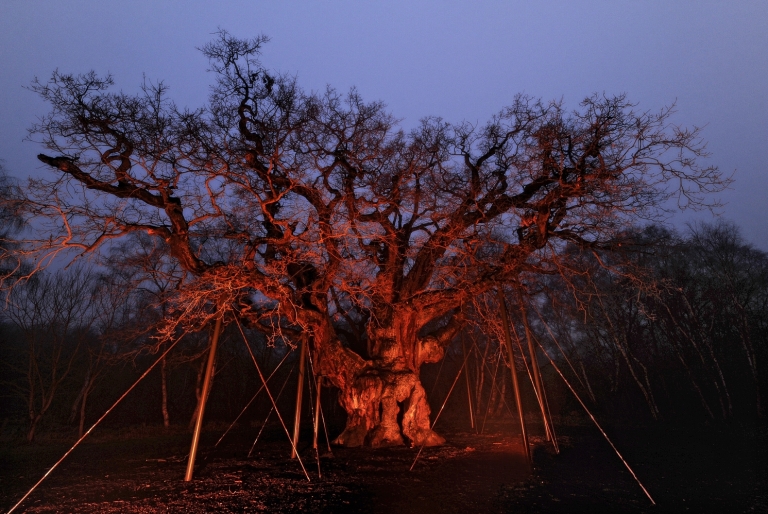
(701,470)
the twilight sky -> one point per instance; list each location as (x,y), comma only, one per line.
(459,60)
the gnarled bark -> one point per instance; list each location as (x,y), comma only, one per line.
(385,402)
(373,403)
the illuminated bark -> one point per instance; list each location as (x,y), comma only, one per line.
(386,386)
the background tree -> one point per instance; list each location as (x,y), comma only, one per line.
(143,262)
(53,318)
(114,310)
(676,322)
(314,217)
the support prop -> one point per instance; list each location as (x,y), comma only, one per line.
(271,410)
(490,393)
(203,399)
(469,387)
(540,393)
(261,388)
(535,369)
(299,392)
(513,371)
(319,405)
(271,399)
(583,405)
(314,404)
(316,424)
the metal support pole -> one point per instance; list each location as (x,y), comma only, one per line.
(317,411)
(535,368)
(469,388)
(513,370)
(203,399)
(299,392)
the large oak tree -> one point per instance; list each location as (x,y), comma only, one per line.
(315,216)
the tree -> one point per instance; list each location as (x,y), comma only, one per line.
(714,305)
(54,319)
(113,309)
(314,217)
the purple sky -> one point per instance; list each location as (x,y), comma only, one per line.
(457,60)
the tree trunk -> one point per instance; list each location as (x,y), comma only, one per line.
(32,427)
(164,390)
(373,403)
(81,427)
(482,364)
(498,411)
(75,410)
(384,399)
(198,391)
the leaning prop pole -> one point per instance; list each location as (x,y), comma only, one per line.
(469,387)
(299,391)
(318,387)
(203,399)
(494,386)
(319,417)
(513,370)
(261,388)
(535,369)
(271,410)
(530,376)
(271,399)
(315,414)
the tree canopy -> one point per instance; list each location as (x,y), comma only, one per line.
(313,215)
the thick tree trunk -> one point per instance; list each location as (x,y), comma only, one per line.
(385,402)
(374,402)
